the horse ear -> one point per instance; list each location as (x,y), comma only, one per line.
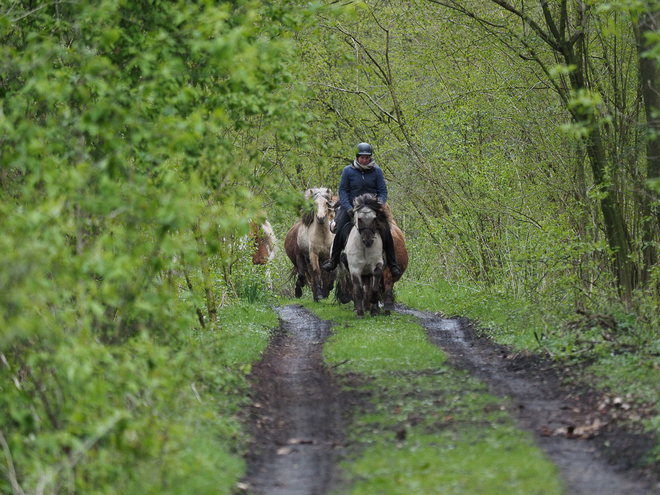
(329,194)
(308,194)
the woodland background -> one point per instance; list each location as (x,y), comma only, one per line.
(138,139)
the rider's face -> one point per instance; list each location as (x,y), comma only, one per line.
(364,159)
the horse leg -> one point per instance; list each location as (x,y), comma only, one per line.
(358,295)
(388,290)
(327,281)
(375,288)
(316,276)
(300,282)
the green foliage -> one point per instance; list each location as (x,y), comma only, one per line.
(126,173)
(137,418)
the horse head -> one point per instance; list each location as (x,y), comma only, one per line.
(322,197)
(367,214)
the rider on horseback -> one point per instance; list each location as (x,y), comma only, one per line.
(360,177)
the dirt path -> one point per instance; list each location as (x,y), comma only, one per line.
(557,416)
(296,413)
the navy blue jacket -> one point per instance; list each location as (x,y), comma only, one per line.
(353,183)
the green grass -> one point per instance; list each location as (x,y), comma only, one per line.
(458,438)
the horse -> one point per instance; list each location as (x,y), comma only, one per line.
(344,282)
(264,242)
(308,243)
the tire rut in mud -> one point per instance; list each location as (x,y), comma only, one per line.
(296,414)
(541,405)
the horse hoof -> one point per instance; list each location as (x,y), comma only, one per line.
(298,292)
(386,312)
(359,317)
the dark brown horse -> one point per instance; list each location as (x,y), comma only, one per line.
(307,244)
(345,287)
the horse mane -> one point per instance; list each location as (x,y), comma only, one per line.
(307,216)
(382,211)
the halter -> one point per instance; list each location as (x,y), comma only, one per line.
(361,229)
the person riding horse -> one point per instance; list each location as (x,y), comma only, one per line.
(360,177)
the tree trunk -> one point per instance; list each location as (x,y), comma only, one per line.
(613,215)
(649,76)
(206,277)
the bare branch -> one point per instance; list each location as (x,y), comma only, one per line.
(16,488)
(530,22)
(361,93)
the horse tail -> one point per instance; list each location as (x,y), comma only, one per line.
(293,273)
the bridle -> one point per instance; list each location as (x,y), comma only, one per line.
(361,229)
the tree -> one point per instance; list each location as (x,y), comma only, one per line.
(547,34)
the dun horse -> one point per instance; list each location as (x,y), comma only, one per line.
(345,291)
(308,245)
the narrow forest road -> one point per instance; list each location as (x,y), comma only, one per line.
(296,411)
(297,414)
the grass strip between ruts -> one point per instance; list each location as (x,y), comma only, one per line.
(423,427)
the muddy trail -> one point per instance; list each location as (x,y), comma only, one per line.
(296,415)
(298,408)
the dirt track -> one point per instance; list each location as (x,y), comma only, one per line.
(542,406)
(298,409)
(296,413)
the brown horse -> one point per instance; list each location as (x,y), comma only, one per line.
(264,242)
(345,288)
(308,242)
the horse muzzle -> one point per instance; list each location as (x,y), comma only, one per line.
(320,220)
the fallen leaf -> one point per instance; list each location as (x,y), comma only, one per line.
(582,432)
(546,432)
(284,451)
(243,486)
(298,441)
